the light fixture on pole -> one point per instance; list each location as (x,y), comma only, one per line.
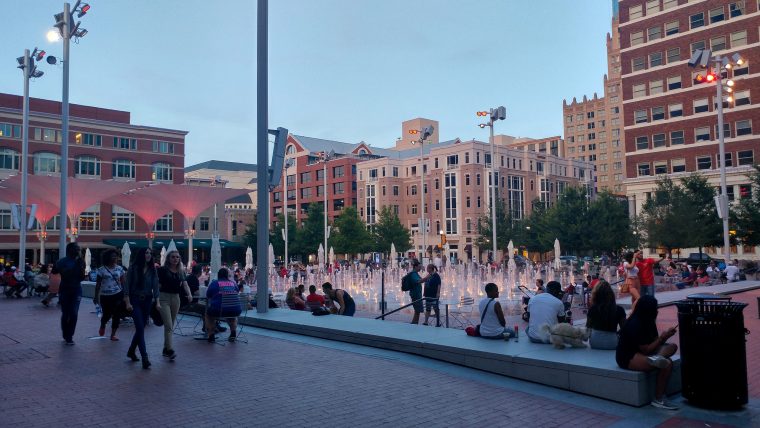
(67,29)
(42,236)
(423,226)
(27,65)
(498,113)
(704,58)
(326,157)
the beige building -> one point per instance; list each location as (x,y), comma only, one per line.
(594,126)
(454,178)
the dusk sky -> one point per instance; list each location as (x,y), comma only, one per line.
(349,70)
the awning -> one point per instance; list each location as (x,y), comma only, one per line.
(164,242)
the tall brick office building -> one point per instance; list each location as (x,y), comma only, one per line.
(670,122)
(104,145)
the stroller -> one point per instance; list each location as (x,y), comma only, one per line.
(566,298)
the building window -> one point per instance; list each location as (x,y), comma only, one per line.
(395,190)
(339,188)
(736,9)
(163,147)
(638,64)
(339,171)
(675,110)
(203,223)
(700,106)
(394,171)
(660,167)
(741,98)
(718,43)
(702,134)
(450,195)
(321,174)
(124,143)
(414,190)
(655,87)
(477,179)
(9,159)
(658,140)
(89,221)
(738,38)
(640,116)
(726,130)
(162,172)
(123,222)
(306,193)
(717,15)
(642,143)
(728,159)
(637,38)
(653,6)
(704,162)
(47,163)
(123,168)
(674,55)
(671,28)
(305,177)
(655,59)
(635,12)
(644,169)
(165,224)
(674,82)
(87,165)
(697,20)
(678,165)
(639,90)
(654,33)
(676,137)
(658,113)
(88,139)
(745,157)
(743,127)
(10,131)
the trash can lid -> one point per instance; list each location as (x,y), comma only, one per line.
(708,296)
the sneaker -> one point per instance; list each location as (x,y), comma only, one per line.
(663,404)
(658,361)
(69,343)
(102,331)
(114,338)
(170,354)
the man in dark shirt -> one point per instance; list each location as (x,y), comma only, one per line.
(431,293)
(71,269)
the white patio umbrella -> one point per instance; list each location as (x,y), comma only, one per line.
(172,247)
(125,254)
(331,256)
(271,256)
(557,263)
(321,256)
(216,256)
(87,261)
(163,255)
(249,258)
(393,255)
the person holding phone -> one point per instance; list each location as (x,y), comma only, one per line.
(642,348)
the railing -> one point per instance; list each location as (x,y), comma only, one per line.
(385,314)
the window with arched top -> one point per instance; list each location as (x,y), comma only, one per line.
(290,149)
(162,172)
(88,166)
(362,152)
(9,159)
(47,163)
(123,168)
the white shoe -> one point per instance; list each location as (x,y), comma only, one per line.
(663,404)
(658,361)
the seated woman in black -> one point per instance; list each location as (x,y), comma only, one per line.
(642,349)
(604,317)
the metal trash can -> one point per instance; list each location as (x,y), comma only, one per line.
(713,351)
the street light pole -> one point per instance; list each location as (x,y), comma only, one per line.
(285,231)
(24,162)
(63,218)
(324,191)
(722,150)
(262,154)
(494,114)
(423,225)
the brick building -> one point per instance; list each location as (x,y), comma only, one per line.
(670,122)
(593,126)
(104,145)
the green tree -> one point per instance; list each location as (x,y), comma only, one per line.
(660,213)
(747,214)
(389,230)
(505,228)
(568,219)
(278,243)
(609,227)
(313,231)
(535,231)
(350,234)
(250,238)
(701,218)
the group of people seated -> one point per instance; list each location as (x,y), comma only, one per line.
(296,300)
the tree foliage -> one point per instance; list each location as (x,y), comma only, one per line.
(389,230)
(350,234)
(312,233)
(747,214)
(505,227)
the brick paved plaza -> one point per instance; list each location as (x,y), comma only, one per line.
(279,379)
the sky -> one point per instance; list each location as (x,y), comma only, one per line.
(348,70)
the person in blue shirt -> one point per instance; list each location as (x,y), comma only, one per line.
(219,288)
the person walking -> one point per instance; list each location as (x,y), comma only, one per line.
(109,291)
(71,268)
(140,290)
(411,283)
(172,282)
(432,293)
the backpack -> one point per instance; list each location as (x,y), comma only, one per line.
(406,282)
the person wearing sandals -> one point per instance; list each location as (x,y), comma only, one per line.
(222,286)
(641,348)
(140,291)
(172,282)
(109,291)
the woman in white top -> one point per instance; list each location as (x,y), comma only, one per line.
(109,291)
(631,284)
(493,325)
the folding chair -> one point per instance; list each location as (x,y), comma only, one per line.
(230,304)
(463,311)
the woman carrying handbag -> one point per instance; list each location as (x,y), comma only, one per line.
(140,291)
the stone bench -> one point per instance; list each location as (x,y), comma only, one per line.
(586,371)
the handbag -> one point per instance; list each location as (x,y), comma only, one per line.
(55,282)
(476,330)
(155,315)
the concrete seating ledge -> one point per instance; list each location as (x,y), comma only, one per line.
(586,371)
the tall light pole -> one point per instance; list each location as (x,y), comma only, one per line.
(425,133)
(703,58)
(325,158)
(498,113)
(64,22)
(285,231)
(262,154)
(27,66)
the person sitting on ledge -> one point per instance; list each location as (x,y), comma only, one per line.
(293,300)
(641,348)
(545,308)
(314,300)
(604,317)
(346,303)
(493,325)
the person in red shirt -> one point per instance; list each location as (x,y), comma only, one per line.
(314,300)
(646,273)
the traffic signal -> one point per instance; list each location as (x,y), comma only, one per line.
(414,131)
(499,113)
(709,77)
(482,113)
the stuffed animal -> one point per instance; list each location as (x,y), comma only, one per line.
(565,334)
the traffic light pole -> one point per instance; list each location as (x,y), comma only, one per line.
(262,154)
(423,225)
(24,164)
(722,151)
(493,187)
(62,220)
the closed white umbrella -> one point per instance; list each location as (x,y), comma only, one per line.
(249,258)
(216,256)
(87,261)
(271,256)
(321,256)
(393,255)
(331,256)
(163,255)
(172,247)
(125,254)
(557,263)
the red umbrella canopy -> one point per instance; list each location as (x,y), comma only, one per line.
(188,200)
(143,204)
(11,193)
